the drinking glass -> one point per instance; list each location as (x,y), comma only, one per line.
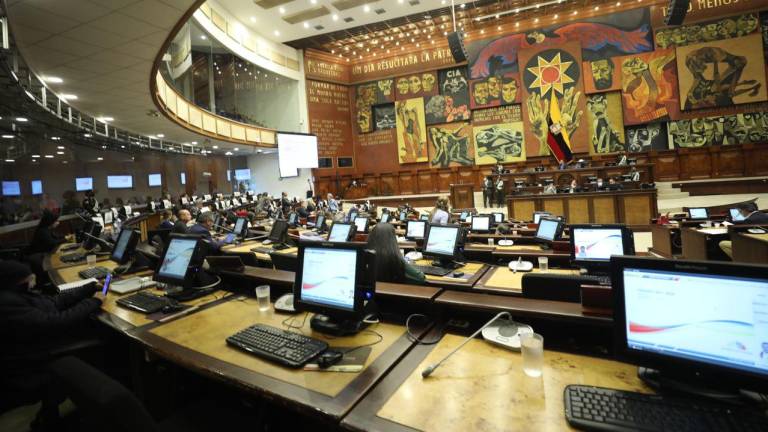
(91,260)
(532,348)
(262,294)
(543,264)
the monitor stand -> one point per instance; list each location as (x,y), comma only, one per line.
(336,327)
(445,263)
(204,284)
(671,384)
(137,263)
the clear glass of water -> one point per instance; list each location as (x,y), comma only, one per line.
(91,260)
(532,348)
(543,263)
(490,242)
(262,294)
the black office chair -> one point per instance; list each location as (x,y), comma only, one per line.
(283,261)
(248,258)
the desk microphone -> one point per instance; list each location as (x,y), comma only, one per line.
(431,368)
(225,228)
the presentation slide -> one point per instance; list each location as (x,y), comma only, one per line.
(11,188)
(83,184)
(415,230)
(183,178)
(119,182)
(243,174)
(296,151)
(37,187)
(728,325)
(155,180)
(328,277)
(177,258)
(597,244)
(441,240)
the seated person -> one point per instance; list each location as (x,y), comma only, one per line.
(166,220)
(203,228)
(614,185)
(45,239)
(549,189)
(302,210)
(390,264)
(752,216)
(439,215)
(600,186)
(184,218)
(574,187)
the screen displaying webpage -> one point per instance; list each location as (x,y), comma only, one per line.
(177,258)
(597,244)
(328,277)
(415,229)
(442,240)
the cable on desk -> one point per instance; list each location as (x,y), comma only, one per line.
(380,338)
(414,338)
(288,322)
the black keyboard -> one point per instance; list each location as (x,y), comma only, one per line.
(602,409)
(433,270)
(280,346)
(598,279)
(73,257)
(70,247)
(280,246)
(264,250)
(95,272)
(144,302)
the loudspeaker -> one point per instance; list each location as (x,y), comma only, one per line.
(456,43)
(676,12)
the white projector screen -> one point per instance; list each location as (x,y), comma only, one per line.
(155,180)
(296,151)
(83,184)
(119,182)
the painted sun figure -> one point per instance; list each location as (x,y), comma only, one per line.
(550,75)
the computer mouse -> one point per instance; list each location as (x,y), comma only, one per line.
(329,358)
(171,308)
(458,274)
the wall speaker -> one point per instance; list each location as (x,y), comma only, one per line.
(456,44)
(676,12)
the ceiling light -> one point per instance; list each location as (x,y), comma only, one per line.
(35,156)
(236,149)
(306,24)
(253,19)
(99,158)
(49,156)
(517,24)
(87,135)
(282,10)
(22,119)
(536,20)
(597,8)
(403,1)
(7,136)
(194,143)
(59,152)
(160,136)
(60,147)
(313,1)
(335,17)
(228,154)
(463,5)
(215,147)
(55,138)
(277,33)
(498,28)
(68,97)
(203,37)
(366,8)
(618,3)
(105,119)
(482,31)
(9,160)
(53,80)
(556,16)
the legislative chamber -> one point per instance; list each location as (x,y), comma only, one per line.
(384,215)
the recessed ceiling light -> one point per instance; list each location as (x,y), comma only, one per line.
(160,136)
(35,156)
(253,19)
(228,153)
(87,135)
(55,138)
(463,5)
(236,149)
(203,37)
(597,8)
(215,147)
(7,136)
(194,142)
(99,158)
(49,156)
(366,8)
(53,79)
(335,17)
(105,119)
(22,119)
(306,24)
(68,97)
(282,10)
(60,147)
(9,160)
(59,152)
(277,33)
(313,1)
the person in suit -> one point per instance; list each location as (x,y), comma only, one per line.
(166,220)
(203,228)
(574,187)
(184,217)
(752,216)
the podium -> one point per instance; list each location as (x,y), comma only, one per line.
(462,196)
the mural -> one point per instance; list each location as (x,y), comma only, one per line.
(553,72)
(716,30)
(496,90)
(602,75)
(606,125)
(411,131)
(720,130)
(363,117)
(721,73)
(450,145)
(454,83)
(499,143)
(416,85)
(599,38)
(377,92)
(441,109)
(649,87)
(384,116)
(647,137)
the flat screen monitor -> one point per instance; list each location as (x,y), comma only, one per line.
(415,229)
(124,246)
(352,215)
(241,227)
(320,223)
(442,240)
(403,216)
(538,215)
(361,222)
(424,217)
(242,174)
(294,151)
(279,231)
(595,244)
(179,256)
(119,182)
(736,215)
(549,229)
(498,218)
(698,213)
(384,218)
(464,215)
(481,223)
(83,184)
(183,178)
(11,188)
(698,321)
(340,232)
(155,180)
(293,218)
(37,187)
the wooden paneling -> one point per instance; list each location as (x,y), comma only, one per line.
(446,178)
(638,210)
(425,183)
(407,183)
(696,164)
(636,207)
(388,185)
(755,160)
(523,209)
(729,162)
(604,210)
(554,206)
(578,211)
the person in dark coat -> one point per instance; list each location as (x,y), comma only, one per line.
(45,239)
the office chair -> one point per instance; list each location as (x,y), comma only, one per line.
(283,261)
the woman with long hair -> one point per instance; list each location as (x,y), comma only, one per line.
(439,214)
(45,239)
(390,264)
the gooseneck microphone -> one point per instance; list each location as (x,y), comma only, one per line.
(225,228)
(431,368)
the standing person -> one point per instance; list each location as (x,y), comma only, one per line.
(333,205)
(488,188)
(390,264)
(285,204)
(439,215)
(499,191)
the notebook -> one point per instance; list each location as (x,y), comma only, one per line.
(76,284)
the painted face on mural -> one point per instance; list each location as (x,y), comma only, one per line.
(428,82)
(480,93)
(385,87)
(662,39)
(602,74)
(494,87)
(415,84)
(693,33)
(640,138)
(403,86)
(727,28)
(746,24)
(454,83)
(509,90)
(597,105)
(710,32)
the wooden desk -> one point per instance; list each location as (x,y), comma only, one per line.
(501,280)
(702,243)
(481,388)
(666,240)
(472,272)
(531,253)
(53,261)
(635,207)
(197,342)
(247,246)
(563,177)
(750,248)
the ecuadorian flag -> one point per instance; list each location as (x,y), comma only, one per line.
(557,136)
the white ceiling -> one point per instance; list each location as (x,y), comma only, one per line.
(265,21)
(103,50)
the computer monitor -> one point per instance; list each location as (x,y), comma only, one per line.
(293,218)
(279,231)
(464,215)
(361,222)
(181,260)
(698,213)
(320,223)
(403,216)
(592,245)
(498,217)
(415,229)
(89,240)
(538,215)
(549,229)
(341,232)
(698,322)
(424,217)
(241,228)
(384,218)
(481,223)
(336,281)
(736,215)
(352,215)
(441,241)
(125,246)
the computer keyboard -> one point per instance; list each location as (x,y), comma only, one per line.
(73,257)
(264,250)
(94,272)
(280,346)
(599,279)
(70,247)
(602,409)
(144,302)
(432,270)
(280,246)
